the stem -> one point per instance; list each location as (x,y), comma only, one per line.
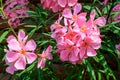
(11,28)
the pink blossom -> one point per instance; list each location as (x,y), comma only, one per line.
(67,13)
(44,56)
(118,47)
(88,46)
(64,3)
(68,51)
(57,5)
(13,15)
(81,37)
(20,52)
(105,2)
(117,7)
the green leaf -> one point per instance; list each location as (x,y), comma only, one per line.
(2,37)
(90,70)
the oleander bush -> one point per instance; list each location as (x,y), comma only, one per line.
(60,40)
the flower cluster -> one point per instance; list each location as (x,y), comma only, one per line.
(57,5)
(78,38)
(117,9)
(13,12)
(21,52)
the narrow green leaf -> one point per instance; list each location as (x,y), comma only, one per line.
(2,37)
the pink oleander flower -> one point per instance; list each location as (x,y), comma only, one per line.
(67,12)
(117,7)
(44,56)
(81,37)
(89,45)
(68,51)
(118,47)
(64,3)
(13,15)
(105,2)
(57,5)
(58,30)
(20,52)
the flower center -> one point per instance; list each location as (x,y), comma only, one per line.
(85,44)
(22,52)
(71,35)
(74,17)
(83,29)
(70,47)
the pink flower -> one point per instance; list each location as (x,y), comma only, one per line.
(105,2)
(117,7)
(67,13)
(88,46)
(44,56)
(68,51)
(118,47)
(13,15)
(57,5)
(64,3)
(20,51)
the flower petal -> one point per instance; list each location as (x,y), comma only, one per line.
(21,35)
(20,64)
(11,69)
(30,57)
(62,3)
(41,63)
(12,56)
(48,53)
(64,55)
(67,13)
(14,45)
(91,51)
(77,8)
(101,21)
(82,53)
(71,2)
(30,45)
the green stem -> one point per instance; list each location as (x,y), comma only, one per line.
(11,28)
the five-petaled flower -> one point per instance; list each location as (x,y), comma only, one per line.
(20,52)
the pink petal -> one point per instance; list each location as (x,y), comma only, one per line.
(20,64)
(77,8)
(48,54)
(72,2)
(91,51)
(67,13)
(92,15)
(62,3)
(82,52)
(12,56)
(73,57)
(69,42)
(55,8)
(30,57)
(10,38)
(30,45)
(21,35)
(76,51)
(64,55)
(14,45)
(41,63)
(101,21)
(11,69)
